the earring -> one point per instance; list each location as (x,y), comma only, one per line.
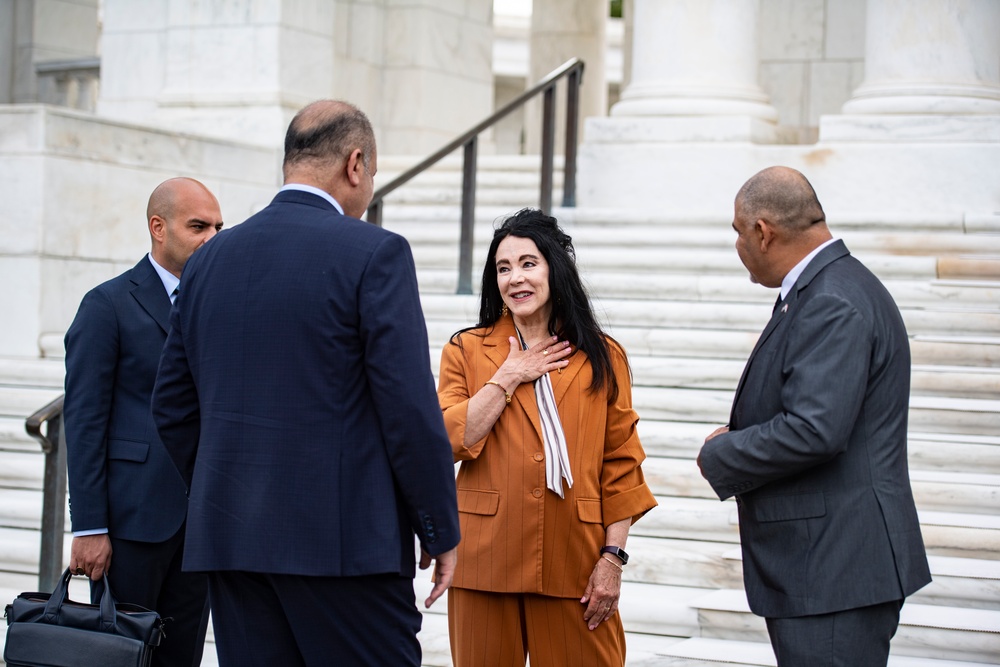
(503,311)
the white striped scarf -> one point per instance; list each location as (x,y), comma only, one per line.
(553,438)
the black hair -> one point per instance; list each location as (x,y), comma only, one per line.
(571,318)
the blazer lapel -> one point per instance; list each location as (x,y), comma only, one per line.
(148,291)
(576,363)
(497,347)
(776,319)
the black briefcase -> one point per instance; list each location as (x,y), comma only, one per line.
(51,630)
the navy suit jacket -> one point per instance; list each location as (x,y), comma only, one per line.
(296,398)
(816,452)
(120,476)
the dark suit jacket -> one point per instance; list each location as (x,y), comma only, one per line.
(296,397)
(816,454)
(120,476)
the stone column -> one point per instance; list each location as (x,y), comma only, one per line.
(34,32)
(239,69)
(932,72)
(560,30)
(698,58)
(437,79)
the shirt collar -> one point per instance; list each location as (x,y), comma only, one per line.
(313,190)
(793,275)
(169,280)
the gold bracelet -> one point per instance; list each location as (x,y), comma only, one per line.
(506,394)
(620,568)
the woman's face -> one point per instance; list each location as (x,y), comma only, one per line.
(523,278)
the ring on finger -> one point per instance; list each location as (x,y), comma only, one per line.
(545,353)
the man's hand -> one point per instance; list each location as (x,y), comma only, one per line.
(90,555)
(718,431)
(444,571)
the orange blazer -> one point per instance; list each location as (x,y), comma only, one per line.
(517,536)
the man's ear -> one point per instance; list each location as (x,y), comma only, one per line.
(157,228)
(765,233)
(354,167)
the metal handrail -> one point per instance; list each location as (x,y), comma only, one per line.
(573,71)
(50,563)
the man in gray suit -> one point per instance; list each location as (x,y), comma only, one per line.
(815,449)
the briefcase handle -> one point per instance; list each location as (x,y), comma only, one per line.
(61,595)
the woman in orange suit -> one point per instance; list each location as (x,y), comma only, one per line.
(537,400)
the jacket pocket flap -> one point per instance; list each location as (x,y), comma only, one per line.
(128,450)
(788,508)
(590,510)
(476,501)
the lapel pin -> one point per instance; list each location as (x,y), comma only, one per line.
(784,308)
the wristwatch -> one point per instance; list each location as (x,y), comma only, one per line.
(616,551)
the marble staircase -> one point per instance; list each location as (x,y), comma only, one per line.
(673,291)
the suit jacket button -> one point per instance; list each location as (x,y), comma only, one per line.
(539,456)
(537,493)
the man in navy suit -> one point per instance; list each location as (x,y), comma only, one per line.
(815,450)
(295,396)
(127,502)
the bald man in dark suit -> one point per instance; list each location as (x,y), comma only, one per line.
(815,449)
(127,502)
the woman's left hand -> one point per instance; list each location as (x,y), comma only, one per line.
(603,591)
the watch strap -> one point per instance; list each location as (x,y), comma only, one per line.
(618,552)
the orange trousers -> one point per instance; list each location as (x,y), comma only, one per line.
(502,629)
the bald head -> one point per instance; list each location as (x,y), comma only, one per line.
(783,197)
(169,194)
(328,131)
(182,214)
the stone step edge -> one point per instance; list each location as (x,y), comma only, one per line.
(919,615)
(738,652)
(943,566)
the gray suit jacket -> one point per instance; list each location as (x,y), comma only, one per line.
(816,452)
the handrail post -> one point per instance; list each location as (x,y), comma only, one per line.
(572,121)
(468,216)
(53,507)
(548,146)
(374,215)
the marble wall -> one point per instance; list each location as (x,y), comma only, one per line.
(811,60)
(75,188)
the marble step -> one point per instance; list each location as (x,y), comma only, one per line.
(20,401)
(13,437)
(657,253)
(724,374)
(438,224)
(918,223)
(925,631)
(451,180)
(709,343)
(749,315)
(971,416)
(959,296)
(961,582)
(975,493)
(927,451)
(17,371)
(954,534)
(708,652)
